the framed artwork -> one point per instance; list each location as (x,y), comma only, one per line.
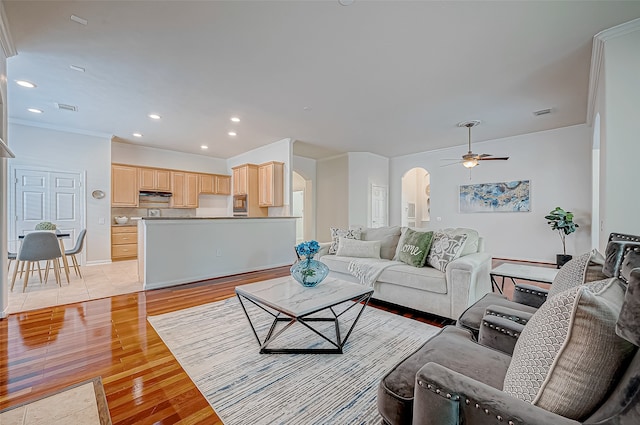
(495,197)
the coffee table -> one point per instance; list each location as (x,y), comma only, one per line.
(289,302)
(522,272)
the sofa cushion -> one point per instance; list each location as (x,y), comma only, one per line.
(388,237)
(337,233)
(568,356)
(471,245)
(415,247)
(444,249)
(360,249)
(471,318)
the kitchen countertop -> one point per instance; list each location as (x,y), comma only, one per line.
(211,218)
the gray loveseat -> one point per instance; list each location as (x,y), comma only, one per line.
(464,281)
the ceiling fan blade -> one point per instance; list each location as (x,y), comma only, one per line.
(498,158)
(484,155)
(453,163)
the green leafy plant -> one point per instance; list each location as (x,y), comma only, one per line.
(45,225)
(562,221)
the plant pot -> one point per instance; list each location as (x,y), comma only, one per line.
(562,259)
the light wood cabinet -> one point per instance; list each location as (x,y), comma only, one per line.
(154,179)
(245,182)
(241,179)
(124,186)
(271,184)
(124,243)
(214,184)
(185,190)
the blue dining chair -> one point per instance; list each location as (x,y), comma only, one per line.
(76,250)
(36,247)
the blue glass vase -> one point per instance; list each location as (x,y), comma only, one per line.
(309,272)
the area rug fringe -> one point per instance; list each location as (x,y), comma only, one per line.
(215,346)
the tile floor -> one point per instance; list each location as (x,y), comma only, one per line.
(98,281)
(74,406)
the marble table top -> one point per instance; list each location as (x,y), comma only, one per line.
(526,272)
(288,296)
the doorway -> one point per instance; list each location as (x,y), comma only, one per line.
(416,198)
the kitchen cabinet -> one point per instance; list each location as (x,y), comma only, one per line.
(271,184)
(124,242)
(185,190)
(214,184)
(245,183)
(124,186)
(241,178)
(154,179)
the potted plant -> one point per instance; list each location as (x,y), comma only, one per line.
(562,221)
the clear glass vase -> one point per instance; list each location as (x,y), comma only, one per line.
(309,272)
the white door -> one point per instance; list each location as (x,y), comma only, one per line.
(379,206)
(47,196)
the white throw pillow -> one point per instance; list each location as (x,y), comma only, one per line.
(337,233)
(360,249)
(388,237)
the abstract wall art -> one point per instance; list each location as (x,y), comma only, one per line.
(495,197)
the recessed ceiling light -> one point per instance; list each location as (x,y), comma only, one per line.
(232,133)
(307,108)
(154,116)
(235,119)
(35,110)
(27,84)
(137,134)
(79,20)
(77,68)
(204,147)
(346,2)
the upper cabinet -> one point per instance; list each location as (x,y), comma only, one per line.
(214,184)
(241,179)
(154,179)
(124,186)
(271,184)
(185,190)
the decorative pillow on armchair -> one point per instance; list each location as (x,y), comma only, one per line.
(337,233)
(444,249)
(414,247)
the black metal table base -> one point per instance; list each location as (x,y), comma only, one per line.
(306,321)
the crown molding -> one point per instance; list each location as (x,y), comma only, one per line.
(597,60)
(60,128)
(5,35)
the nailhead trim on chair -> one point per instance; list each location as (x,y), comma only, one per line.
(506,316)
(531,291)
(624,237)
(626,250)
(456,397)
(503,330)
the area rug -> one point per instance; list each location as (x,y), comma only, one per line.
(83,403)
(216,347)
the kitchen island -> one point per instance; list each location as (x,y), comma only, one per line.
(177,250)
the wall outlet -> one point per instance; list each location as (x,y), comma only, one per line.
(438,218)
(218,252)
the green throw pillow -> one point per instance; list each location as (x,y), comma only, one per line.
(415,247)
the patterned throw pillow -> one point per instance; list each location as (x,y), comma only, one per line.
(572,274)
(568,356)
(337,233)
(415,247)
(444,249)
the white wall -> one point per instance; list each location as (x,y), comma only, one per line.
(280,151)
(124,153)
(63,151)
(619,106)
(4,280)
(332,198)
(365,169)
(558,163)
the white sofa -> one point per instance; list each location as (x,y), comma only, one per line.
(465,280)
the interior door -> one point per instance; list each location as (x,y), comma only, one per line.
(379,206)
(47,196)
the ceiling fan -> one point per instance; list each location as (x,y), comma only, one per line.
(471,159)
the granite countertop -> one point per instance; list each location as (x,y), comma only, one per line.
(212,218)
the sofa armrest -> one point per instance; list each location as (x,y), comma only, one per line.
(530,295)
(512,314)
(499,333)
(442,396)
(467,280)
(324,249)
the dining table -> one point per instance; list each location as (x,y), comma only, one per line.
(61,236)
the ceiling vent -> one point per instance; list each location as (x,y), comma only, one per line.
(67,107)
(542,112)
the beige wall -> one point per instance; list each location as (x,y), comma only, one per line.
(332,196)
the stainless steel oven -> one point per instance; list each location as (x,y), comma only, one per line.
(240,205)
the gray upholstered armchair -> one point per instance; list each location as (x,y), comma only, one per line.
(457,380)
(528,298)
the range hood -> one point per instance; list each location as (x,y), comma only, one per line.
(155,193)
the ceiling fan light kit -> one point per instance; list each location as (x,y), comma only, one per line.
(470,159)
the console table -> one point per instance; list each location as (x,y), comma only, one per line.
(522,272)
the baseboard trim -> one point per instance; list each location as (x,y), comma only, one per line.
(98,262)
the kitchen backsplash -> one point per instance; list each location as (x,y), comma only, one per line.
(144,212)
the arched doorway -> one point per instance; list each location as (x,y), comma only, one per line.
(416,198)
